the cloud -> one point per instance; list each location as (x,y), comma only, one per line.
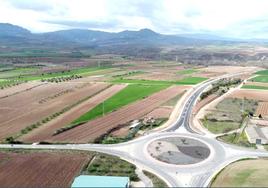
(239,18)
(111,24)
(31,5)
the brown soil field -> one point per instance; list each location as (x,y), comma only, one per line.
(203,102)
(160,112)
(24,109)
(260,95)
(262,109)
(121,132)
(18,89)
(95,128)
(47,130)
(228,69)
(207,74)
(40,169)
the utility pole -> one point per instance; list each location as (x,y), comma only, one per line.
(243,105)
(103,108)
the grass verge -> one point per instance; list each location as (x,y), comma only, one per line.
(157,182)
(217,127)
(106,165)
(237,139)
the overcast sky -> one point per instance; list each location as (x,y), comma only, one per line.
(231,18)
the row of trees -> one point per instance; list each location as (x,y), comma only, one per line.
(221,85)
(62,79)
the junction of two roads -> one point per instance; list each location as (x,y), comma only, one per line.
(178,154)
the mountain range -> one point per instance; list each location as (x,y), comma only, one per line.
(11,35)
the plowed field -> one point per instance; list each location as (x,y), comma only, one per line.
(24,109)
(40,169)
(262,109)
(95,128)
(47,130)
(261,95)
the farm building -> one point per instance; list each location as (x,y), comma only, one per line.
(257,134)
(100,181)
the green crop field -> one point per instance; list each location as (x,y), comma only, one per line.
(15,72)
(128,95)
(260,79)
(188,71)
(254,87)
(81,71)
(185,81)
(262,72)
(191,80)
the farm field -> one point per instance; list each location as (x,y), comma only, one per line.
(160,112)
(50,168)
(184,81)
(128,95)
(91,130)
(187,71)
(262,72)
(49,128)
(19,88)
(81,72)
(40,169)
(261,95)
(22,110)
(227,69)
(255,87)
(261,78)
(256,84)
(262,109)
(245,173)
(203,102)
(156,76)
(16,72)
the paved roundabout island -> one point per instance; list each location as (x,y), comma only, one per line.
(179,150)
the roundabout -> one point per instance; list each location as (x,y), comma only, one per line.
(179,150)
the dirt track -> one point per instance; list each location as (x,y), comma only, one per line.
(47,130)
(93,129)
(24,109)
(40,169)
